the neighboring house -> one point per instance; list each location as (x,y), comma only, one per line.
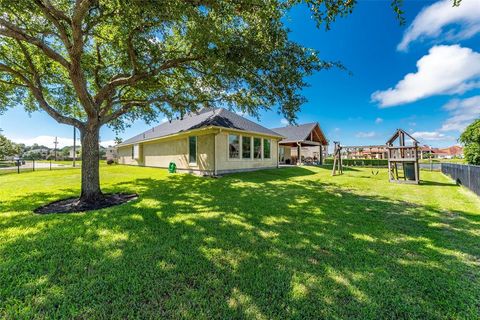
(365,152)
(78,153)
(451,152)
(210,142)
(441,153)
(111,153)
(39,153)
(302,143)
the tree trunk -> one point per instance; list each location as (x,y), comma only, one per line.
(91,192)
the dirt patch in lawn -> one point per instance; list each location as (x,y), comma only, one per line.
(72,205)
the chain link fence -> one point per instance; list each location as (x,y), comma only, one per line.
(464,174)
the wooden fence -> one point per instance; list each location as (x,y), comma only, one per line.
(464,174)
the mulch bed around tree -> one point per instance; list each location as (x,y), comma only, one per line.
(71,205)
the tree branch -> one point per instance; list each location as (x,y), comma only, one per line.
(60,15)
(10,30)
(55,16)
(75,71)
(134,78)
(79,13)
(37,93)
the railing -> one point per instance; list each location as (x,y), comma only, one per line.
(403,153)
(464,174)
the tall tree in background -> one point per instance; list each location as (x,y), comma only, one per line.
(7,147)
(88,63)
(471,139)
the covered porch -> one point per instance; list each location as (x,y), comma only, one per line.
(303,144)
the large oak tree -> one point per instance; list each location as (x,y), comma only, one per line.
(88,63)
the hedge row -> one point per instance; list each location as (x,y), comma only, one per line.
(361,162)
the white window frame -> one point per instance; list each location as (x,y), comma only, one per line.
(263,149)
(196,149)
(239,146)
(251,147)
(136,151)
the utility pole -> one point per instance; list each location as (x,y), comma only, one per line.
(74,145)
(55,150)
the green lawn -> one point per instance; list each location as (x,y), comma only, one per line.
(276,244)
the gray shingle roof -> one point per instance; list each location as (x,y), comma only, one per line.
(219,117)
(295,133)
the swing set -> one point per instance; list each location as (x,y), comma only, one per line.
(403,165)
(339,149)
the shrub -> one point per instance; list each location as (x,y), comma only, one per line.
(110,161)
(471,138)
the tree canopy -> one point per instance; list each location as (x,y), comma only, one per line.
(7,147)
(471,139)
(121,60)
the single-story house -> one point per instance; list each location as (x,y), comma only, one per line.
(209,142)
(304,143)
(111,153)
(441,153)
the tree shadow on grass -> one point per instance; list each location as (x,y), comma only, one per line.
(257,245)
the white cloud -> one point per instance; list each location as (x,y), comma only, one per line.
(431,136)
(370,134)
(107,143)
(432,21)
(378,120)
(444,70)
(462,113)
(241,113)
(47,141)
(284,122)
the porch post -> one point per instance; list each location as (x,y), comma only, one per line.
(320,157)
(299,154)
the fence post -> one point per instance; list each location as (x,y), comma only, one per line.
(468,172)
(18,166)
(33,164)
(50,164)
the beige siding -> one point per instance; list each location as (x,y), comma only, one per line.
(161,153)
(125,156)
(225,164)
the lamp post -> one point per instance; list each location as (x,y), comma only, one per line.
(74,145)
(55,150)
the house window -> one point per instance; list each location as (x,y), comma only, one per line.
(246,147)
(257,148)
(266,148)
(233,146)
(136,151)
(192,149)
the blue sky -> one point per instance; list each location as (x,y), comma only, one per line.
(439,47)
